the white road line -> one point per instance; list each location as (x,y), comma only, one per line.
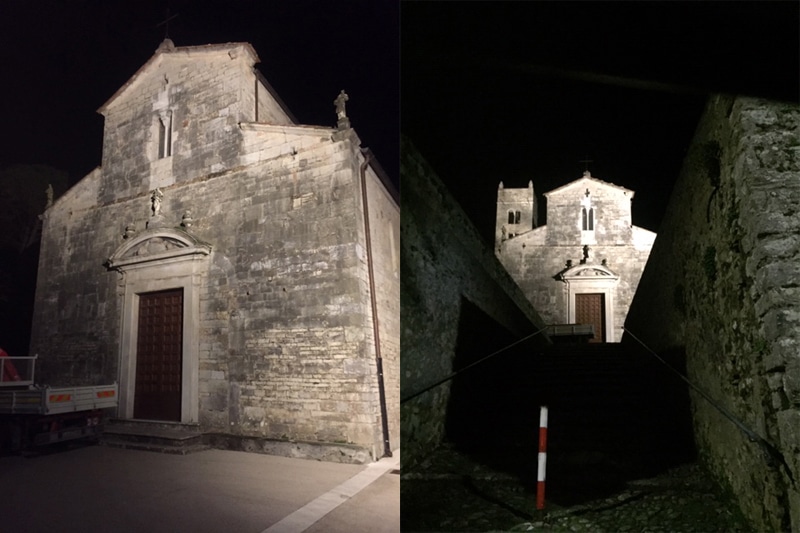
(306,516)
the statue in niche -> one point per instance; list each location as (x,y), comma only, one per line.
(155,198)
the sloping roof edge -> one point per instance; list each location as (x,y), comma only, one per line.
(167,47)
(589,178)
(274,95)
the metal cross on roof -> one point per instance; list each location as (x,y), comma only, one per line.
(165,23)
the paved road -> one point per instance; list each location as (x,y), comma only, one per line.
(99,489)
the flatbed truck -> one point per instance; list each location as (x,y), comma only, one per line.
(37,415)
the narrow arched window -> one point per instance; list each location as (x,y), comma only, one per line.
(587,219)
(511,217)
(516,217)
(165,135)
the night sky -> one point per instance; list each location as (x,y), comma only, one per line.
(525,91)
(61,60)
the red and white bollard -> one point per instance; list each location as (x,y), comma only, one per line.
(542,458)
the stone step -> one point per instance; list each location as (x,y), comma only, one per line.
(156,436)
(182,449)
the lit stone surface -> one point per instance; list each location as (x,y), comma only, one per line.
(451,285)
(724,274)
(278,323)
(550,263)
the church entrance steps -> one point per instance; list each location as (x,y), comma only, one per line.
(182,439)
(602,395)
(614,414)
(156,436)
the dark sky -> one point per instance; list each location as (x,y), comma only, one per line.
(61,60)
(524,91)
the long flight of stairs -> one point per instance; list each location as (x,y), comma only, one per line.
(614,413)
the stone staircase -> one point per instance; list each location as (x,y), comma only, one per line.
(156,436)
(614,413)
(605,397)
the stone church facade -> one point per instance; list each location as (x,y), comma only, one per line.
(584,265)
(229,268)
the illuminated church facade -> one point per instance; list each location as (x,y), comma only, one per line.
(235,272)
(584,265)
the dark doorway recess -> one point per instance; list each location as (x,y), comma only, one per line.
(159,356)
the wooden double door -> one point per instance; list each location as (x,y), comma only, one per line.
(159,356)
(591,309)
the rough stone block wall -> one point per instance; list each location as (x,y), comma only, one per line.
(721,286)
(522,201)
(534,268)
(536,258)
(269,111)
(443,261)
(612,213)
(385,232)
(285,322)
(202,91)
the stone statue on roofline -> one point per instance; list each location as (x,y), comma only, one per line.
(342,122)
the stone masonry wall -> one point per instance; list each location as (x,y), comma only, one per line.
(206,94)
(612,213)
(509,203)
(385,229)
(535,258)
(443,260)
(724,278)
(285,322)
(534,267)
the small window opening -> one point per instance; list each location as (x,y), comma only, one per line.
(516,217)
(587,219)
(510,217)
(165,135)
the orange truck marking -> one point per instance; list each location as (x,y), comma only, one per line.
(60,397)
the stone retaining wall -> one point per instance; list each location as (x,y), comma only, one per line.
(444,262)
(721,286)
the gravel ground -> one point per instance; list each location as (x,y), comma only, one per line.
(451,492)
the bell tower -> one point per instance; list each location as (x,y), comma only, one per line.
(516,212)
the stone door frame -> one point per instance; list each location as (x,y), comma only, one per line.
(587,279)
(153,261)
